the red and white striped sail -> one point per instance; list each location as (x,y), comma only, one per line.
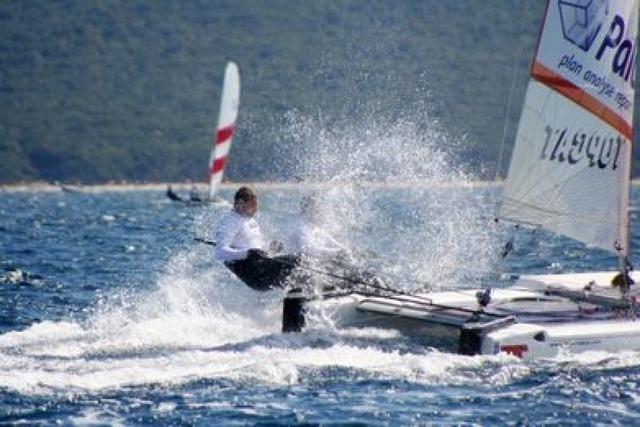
(570,168)
(226,127)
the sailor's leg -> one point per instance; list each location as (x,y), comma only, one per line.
(249,272)
(266,273)
(276,270)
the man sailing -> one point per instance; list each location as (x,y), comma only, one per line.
(309,238)
(323,259)
(240,246)
(316,253)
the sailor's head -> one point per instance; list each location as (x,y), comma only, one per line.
(245,202)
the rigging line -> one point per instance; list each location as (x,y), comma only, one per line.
(424,284)
(521,178)
(356,281)
(385,288)
(530,142)
(488,275)
(506,118)
(431,285)
(505,126)
(523,181)
(517,222)
(353,281)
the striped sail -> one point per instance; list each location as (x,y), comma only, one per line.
(226,126)
(570,168)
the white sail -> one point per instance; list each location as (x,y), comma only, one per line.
(570,168)
(226,126)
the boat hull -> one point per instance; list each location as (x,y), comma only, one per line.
(531,341)
(527,319)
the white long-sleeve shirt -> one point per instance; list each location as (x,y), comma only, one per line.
(310,239)
(235,235)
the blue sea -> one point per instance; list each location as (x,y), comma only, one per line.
(111,314)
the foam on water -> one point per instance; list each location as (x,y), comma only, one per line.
(200,324)
(269,361)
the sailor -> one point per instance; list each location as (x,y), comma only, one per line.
(323,259)
(240,246)
(311,240)
(193,194)
(172,195)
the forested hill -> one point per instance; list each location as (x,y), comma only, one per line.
(94,91)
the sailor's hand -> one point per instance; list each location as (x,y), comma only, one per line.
(256,254)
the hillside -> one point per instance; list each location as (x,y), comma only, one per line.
(128,90)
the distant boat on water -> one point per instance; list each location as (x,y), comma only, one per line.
(229,104)
(69,188)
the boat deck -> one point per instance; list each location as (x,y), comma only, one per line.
(545,312)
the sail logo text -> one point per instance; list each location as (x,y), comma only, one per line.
(577,147)
(622,53)
(599,84)
(623,60)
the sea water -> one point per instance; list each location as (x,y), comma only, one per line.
(111,314)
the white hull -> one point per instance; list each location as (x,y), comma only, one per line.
(531,319)
(532,341)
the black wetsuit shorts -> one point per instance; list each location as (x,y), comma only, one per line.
(264,273)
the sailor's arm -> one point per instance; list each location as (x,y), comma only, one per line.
(322,245)
(225,234)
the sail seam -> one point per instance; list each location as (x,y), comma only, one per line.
(572,215)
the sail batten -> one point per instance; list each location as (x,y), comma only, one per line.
(570,167)
(594,220)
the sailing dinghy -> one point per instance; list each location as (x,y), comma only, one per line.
(229,104)
(569,174)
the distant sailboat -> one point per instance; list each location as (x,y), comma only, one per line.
(226,126)
(569,174)
(229,104)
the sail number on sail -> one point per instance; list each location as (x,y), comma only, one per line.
(574,147)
